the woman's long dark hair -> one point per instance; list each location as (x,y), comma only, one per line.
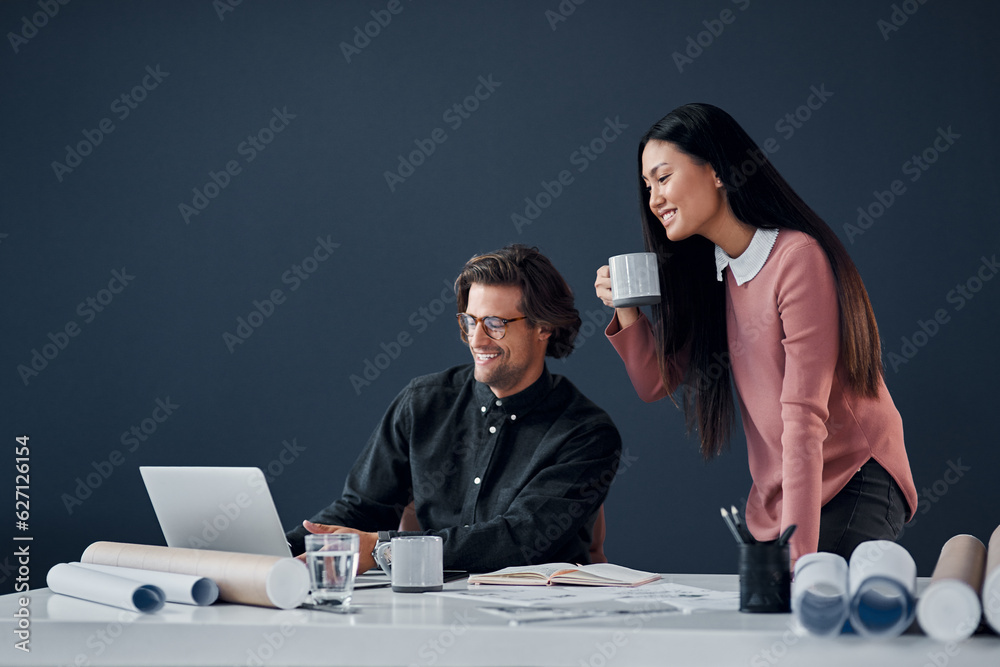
(692,312)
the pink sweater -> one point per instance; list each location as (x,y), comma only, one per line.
(807,432)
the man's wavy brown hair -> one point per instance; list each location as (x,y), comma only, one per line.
(546,299)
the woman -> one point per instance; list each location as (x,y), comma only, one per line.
(758,290)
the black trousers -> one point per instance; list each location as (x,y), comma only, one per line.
(870,507)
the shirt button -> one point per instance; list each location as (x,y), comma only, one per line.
(493,429)
(499,402)
(466,525)
(513,417)
(476,481)
(482,409)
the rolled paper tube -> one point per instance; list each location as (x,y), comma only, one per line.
(267,581)
(79,582)
(991,585)
(182,588)
(949,610)
(820,596)
(883,584)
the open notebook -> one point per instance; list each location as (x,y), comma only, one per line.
(596,574)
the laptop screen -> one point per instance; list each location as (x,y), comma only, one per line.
(222,509)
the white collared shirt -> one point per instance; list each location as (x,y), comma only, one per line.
(749,264)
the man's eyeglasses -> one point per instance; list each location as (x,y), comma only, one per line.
(496,327)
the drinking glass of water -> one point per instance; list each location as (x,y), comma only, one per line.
(332,559)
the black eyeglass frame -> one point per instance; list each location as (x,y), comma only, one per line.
(504,321)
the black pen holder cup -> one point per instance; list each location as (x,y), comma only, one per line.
(765,578)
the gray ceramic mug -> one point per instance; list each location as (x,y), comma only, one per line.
(414,563)
(635,280)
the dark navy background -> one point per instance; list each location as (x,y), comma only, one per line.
(283,398)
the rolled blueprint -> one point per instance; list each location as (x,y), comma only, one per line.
(183,588)
(78,582)
(883,584)
(820,596)
(949,610)
(267,581)
(991,586)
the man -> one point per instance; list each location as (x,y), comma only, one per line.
(504,461)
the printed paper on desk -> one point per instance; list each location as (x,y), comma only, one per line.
(528,596)
(686,598)
(523,615)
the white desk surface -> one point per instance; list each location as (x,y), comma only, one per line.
(407,629)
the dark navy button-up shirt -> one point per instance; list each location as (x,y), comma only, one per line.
(504,481)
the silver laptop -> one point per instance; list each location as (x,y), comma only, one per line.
(222,509)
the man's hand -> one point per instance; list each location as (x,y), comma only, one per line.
(366,542)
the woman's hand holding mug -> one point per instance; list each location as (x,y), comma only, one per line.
(602,286)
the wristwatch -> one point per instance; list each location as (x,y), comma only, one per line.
(383,536)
